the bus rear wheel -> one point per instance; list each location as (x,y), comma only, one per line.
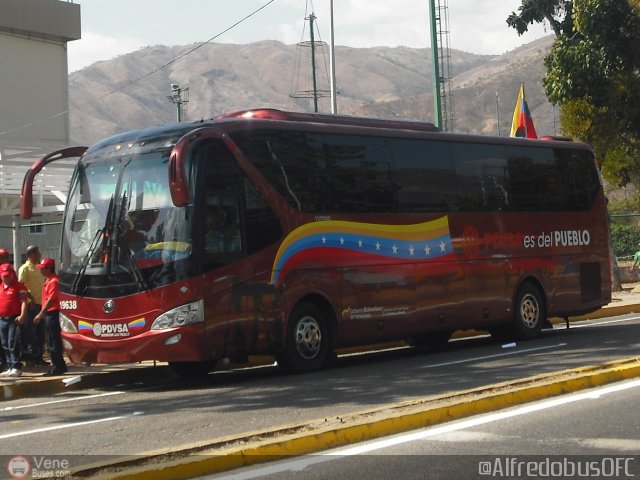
(308,341)
(529,312)
(192,369)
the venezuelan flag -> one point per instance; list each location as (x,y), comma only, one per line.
(333,243)
(522,123)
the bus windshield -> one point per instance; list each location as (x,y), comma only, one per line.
(120,225)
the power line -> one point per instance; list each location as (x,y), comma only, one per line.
(55,115)
(188,52)
(150,73)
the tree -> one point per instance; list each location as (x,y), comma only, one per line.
(594,76)
(556,12)
(593,73)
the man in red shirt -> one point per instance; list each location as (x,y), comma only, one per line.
(14,297)
(51,314)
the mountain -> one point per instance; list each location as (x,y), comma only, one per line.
(132,91)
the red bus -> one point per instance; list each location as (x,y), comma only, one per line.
(268,232)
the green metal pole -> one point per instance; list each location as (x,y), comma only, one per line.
(437,101)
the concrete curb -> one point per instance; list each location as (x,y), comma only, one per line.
(295,440)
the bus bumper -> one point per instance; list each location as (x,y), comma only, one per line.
(183,344)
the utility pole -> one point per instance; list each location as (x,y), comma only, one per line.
(179,96)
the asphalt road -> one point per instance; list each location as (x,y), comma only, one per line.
(592,434)
(93,425)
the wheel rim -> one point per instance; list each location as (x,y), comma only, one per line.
(529,311)
(308,337)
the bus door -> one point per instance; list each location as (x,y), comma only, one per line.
(239,234)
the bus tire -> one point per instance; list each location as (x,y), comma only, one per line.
(307,346)
(192,369)
(529,313)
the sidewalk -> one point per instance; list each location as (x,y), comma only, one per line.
(33,383)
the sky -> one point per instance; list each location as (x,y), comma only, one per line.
(115,27)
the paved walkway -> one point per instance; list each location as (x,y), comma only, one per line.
(33,383)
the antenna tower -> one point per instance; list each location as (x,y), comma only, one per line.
(444,63)
(306,68)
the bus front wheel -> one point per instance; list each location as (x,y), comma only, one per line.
(308,344)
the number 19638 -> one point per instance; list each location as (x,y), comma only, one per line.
(68,304)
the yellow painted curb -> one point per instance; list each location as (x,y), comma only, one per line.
(361,426)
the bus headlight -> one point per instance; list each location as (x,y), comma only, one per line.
(180,316)
(66,324)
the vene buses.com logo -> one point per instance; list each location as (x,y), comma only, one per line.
(18,467)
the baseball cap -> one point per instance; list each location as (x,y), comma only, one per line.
(4,252)
(47,263)
(6,269)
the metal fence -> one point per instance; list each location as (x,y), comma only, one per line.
(16,239)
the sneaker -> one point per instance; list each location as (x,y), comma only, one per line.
(14,372)
(6,373)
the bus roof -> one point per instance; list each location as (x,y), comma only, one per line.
(275,114)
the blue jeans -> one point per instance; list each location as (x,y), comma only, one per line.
(54,339)
(8,330)
(33,334)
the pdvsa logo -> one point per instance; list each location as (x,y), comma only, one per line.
(18,467)
(106,330)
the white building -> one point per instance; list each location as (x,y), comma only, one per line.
(34,117)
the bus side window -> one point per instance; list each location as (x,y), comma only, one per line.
(222,227)
(235,220)
(262,227)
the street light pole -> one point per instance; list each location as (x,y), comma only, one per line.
(179,96)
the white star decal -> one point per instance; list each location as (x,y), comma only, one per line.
(377,245)
(341,241)
(411,250)
(360,243)
(427,250)
(442,246)
(324,239)
(395,249)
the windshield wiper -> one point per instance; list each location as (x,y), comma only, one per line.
(92,249)
(117,242)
